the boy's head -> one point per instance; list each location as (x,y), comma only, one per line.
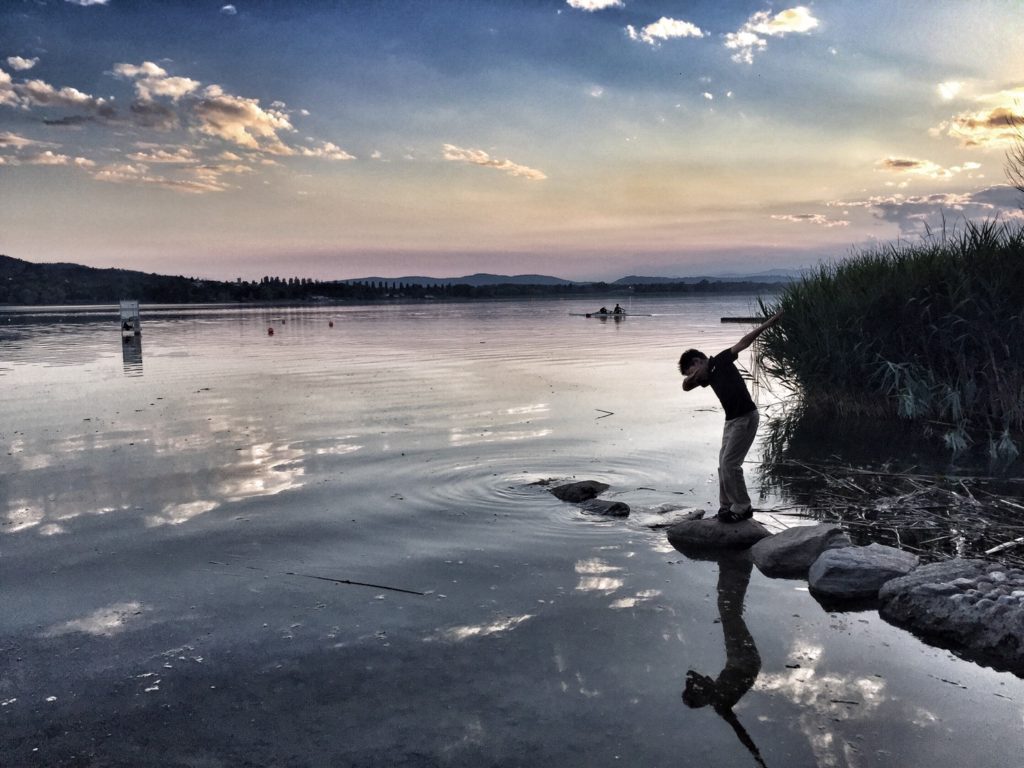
(688,358)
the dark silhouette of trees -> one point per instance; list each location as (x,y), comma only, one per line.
(22,282)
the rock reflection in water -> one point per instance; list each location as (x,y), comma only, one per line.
(742,660)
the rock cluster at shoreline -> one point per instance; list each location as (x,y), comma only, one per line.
(975,606)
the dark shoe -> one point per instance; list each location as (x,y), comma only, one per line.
(728,516)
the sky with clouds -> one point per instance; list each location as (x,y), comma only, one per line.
(588,139)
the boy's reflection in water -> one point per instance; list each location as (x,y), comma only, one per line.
(742,661)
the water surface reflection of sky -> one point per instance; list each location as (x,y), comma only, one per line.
(167,513)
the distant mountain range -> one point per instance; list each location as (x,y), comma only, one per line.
(484,278)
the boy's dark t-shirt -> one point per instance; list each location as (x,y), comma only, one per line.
(728,384)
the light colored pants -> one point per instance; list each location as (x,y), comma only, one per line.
(737,438)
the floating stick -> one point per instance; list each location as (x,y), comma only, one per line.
(335,581)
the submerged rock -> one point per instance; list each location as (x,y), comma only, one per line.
(976,606)
(857,573)
(713,534)
(794,550)
(606,508)
(576,493)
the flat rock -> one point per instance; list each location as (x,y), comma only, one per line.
(713,534)
(605,508)
(576,493)
(857,573)
(794,550)
(976,607)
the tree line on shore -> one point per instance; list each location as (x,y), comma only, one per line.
(26,283)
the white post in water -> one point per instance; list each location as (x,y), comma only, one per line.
(130,318)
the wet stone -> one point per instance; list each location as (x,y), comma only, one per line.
(711,534)
(576,493)
(857,573)
(985,622)
(794,550)
(605,508)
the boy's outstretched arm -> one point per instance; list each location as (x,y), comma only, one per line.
(747,340)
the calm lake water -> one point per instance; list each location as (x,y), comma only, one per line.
(171,507)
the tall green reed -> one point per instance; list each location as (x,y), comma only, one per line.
(931,332)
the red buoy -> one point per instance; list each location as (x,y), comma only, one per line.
(331,324)
(270,331)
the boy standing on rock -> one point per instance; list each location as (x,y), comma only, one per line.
(741,418)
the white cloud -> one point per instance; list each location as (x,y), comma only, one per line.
(926,168)
(242,121)
(326,150)
(998,123)
(949,89)
(912,214)
(8,139)
(594,5)
(750,37)
(709,96)
(664,29)
(126,173)
(229,10)
(479,157)
(47,157)
(176,155)
(42,94)
(7,94)
(595,91)
(20,64)
(811,218)
(152,80)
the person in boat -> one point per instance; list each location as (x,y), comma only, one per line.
(741,418)
(602,311)
(618,310)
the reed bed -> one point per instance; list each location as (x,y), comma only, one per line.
(935,516)
(930,332)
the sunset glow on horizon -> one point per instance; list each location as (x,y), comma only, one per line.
(588,139)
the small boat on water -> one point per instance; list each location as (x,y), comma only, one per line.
(607,315)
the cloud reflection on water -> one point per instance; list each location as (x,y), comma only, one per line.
(467,631)
(499,426)
(102,622)
(194,475)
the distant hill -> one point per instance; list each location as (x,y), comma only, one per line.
(768,276)
(478,279)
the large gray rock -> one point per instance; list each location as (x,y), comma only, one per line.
(605,508)
(712,534)
(976,607)
(576,493)
(857,573)
(794,550)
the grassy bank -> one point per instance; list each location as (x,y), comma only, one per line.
(931,332)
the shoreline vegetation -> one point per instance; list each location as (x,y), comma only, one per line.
(25,283)
(927,334)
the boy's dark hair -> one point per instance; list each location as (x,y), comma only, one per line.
(688,357)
